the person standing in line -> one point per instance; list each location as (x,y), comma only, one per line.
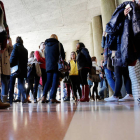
(39,57)
(5,72)
(19,57)
(52,56)
(84,64)
(74,75)
(98,70)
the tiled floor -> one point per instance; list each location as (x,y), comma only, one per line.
(71,121)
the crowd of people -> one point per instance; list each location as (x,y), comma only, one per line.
(121,49)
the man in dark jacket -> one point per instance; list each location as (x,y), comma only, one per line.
(19,57)
(52,51)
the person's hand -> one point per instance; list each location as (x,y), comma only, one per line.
(126,11)
(10,42)
(104,33)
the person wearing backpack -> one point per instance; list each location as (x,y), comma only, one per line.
(84,64)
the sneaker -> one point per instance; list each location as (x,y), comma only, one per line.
(112,99)
(127,98)
(138,99)
(67,99)
(17,100)
(35,100)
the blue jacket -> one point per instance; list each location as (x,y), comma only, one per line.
(52,54)
(124,30)
(19,56)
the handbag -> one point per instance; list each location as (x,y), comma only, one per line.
(63,66)
(15,71)
(38,70)
(93,76)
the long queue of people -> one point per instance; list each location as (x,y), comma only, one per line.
(121,49)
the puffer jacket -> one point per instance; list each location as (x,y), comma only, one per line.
(52,54)
(83,59)
(19,56)
(125,30)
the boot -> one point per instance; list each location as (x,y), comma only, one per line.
(55,101)
(4,98)
(86,93)
(82,93)
(4,105)
(43,99)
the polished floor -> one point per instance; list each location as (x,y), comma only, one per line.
(71,121)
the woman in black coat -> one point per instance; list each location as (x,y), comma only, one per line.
(19,57)
(52,56)
(84,64)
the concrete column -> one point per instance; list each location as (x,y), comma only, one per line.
(107,9)
(91,48)
(74,45)
(97,37)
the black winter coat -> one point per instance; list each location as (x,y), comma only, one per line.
(52,54)
(83,58)
(125,30)
(19,56)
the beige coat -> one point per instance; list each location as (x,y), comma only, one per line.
(6,61)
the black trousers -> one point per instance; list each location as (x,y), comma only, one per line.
(75,82)
(83,76)
(119,72)
(37,78)
(30,87)
(95,88)
(44,77)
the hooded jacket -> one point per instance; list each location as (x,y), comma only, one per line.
(52,54)
(19,56)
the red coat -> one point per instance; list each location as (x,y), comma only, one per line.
(40,59)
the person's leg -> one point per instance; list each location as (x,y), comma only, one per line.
(85,89)
(118,81)
(78,85)
(4,81)
(89,90)
(68,90)
(128,86)
(22,88)
(127,80)
(54,87)
(109,78)
(73,83)
(36,88)
(95,89)
(12,83)
(47,86)
(44,77)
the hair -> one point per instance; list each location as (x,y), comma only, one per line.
(32,54)
(81,45)
(19,40)
(41,44)
(93,58)
(54,36)
(74,53)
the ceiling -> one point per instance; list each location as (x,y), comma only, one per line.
(36,20)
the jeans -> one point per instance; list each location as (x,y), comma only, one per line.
(19,95)
(5,82)
(119,72)
(52,79)
(110,79)
(21,88)
(103,87)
